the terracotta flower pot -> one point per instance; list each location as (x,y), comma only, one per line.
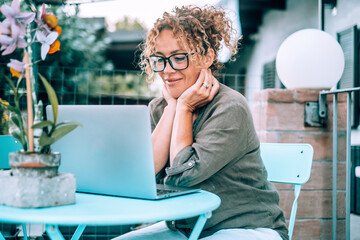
(34,164)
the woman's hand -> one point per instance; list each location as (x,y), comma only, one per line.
(196,96)
(201,93)
(169,99)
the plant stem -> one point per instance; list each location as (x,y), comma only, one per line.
(30,62)
(29,102)
(38,106)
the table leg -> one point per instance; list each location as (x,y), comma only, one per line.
(77,234)
(199,226)
(53,232)
(24,231)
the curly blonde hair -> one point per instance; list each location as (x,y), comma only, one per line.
(198,29)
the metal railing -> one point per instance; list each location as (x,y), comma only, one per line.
(322,96)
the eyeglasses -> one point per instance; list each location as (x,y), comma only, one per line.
(178,61)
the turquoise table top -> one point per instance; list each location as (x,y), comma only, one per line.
(92,209)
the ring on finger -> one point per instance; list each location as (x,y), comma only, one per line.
(205,85)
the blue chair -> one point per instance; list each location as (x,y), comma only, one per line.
(288,163)
(7,144)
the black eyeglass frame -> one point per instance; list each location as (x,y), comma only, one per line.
(167,59)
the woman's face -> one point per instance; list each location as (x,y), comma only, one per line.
(177,81)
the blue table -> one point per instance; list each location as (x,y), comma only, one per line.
(91,209)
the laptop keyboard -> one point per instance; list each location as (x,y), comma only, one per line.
(166,191)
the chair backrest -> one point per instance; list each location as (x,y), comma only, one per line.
(7,144)
(288,163)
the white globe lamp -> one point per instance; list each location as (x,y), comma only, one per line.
(310,59)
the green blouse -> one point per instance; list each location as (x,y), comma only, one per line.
(225,159)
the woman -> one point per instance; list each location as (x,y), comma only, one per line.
(203,134)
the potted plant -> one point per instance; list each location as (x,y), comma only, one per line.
(33,180)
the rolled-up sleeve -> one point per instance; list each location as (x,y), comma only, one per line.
(183,161)
(221,138)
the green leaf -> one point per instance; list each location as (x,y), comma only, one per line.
(15,119)
(62,131)
(44,140)
(15,90)
(11,84)
(17,129)
(57,134)
(19,82)
(20,137)
(42,124)
(69,122)
(52,97)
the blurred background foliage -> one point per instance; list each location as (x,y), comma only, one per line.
(129,24)
(80,67)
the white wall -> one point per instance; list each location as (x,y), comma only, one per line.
(348,14)
(277,25)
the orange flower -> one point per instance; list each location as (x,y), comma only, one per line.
(15,73)
(4,102)
(50,20)
(58,29)
(54,47)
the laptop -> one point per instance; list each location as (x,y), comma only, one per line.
(112,152)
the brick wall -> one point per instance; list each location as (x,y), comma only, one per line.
(279,117)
